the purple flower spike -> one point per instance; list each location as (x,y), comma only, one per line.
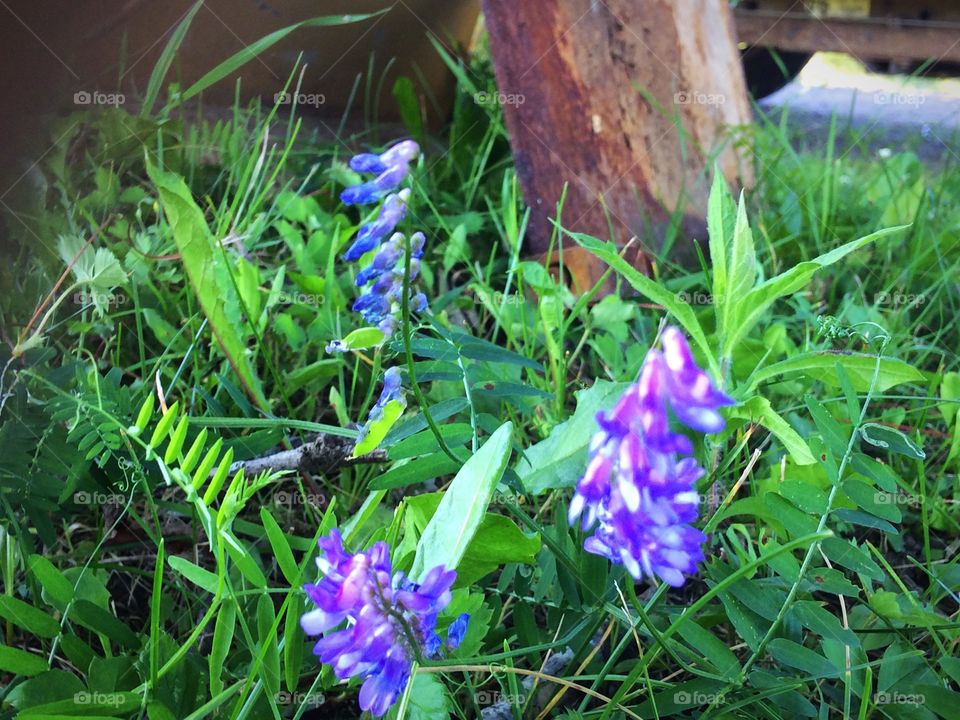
(405,152)
(367,163)
(385,620)
(391,214)
(391,167)
(692,394)
(639,488)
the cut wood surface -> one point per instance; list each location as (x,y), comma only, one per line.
(594,92)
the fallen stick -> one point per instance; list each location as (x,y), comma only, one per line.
(317,457)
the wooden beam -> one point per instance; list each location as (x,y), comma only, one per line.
(622,101)
(866,38)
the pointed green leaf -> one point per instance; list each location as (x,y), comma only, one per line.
(449,532)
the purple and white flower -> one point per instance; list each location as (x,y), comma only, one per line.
(373,622)
(639,488)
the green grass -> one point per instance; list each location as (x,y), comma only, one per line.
(139,576)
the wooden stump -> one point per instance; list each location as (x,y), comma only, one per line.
(593,94)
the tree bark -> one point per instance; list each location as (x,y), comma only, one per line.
(624,101)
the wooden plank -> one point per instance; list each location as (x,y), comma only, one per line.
(594,92)
(866,39)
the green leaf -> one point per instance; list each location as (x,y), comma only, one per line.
(653,291)
(208,270)
(742,272)
(558,460)
(409,105)
(721,214)
(102,621)
(280,546)
(34,621)
(860,367)
(418,470)
(891,439)
(365,337)
(95,267)
(752,307)
(758,409)
(194,573)
(884,603)
(813,616)
(498,540)
(243,559)
(47,687)
(222,640)
(377,429)
(950,391)
(427,701)
(57,590)
(254,49)
(446,537)
(19,662)
(797,656)
(166,58)
(270,669)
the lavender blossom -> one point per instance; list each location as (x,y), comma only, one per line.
(380,303)
(392,212)
(386,621)
(639,488)
(391,167)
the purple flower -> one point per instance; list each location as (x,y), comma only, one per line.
(639,488)
(391,167)
(402,153)
(386,621)
(692,394)
(457,630)
(380,303)
(392,212)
